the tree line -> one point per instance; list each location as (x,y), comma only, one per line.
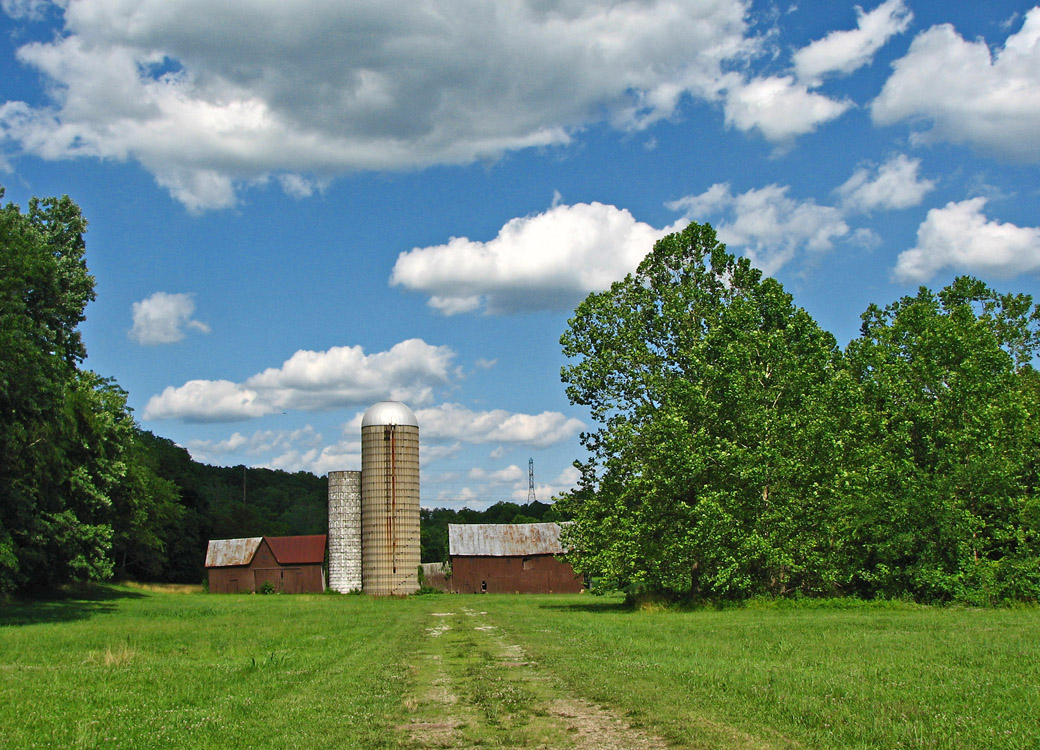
(740,452)
(84,492)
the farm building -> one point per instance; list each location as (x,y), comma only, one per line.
(509,558)
(291,564)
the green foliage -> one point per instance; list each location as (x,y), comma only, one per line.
(706,381)
(946,449)
(54,511)
(77,503)
(740,453)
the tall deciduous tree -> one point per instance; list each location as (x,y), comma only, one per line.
(946,456)
(44,288)
(70,479)
(713,442)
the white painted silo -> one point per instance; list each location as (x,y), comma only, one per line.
(390,549)
(345,531)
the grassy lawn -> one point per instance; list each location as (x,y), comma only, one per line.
(869,677)
(132,668)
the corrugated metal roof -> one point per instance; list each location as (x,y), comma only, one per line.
(504,539)
(223,552)
(298,550)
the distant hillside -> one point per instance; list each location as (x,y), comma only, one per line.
(226,502)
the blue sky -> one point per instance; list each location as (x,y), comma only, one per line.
(299,209)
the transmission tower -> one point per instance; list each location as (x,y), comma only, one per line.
(530,480)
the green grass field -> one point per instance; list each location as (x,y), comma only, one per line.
(117,667)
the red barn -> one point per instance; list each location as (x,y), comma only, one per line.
(509,558)
(291,564)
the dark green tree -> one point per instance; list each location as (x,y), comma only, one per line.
(944,460)
(71,484)
(708,385)
(45,535)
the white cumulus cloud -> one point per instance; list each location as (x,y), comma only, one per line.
(960,236)
(162,318)
(967,93)
(783,107)
(547,261)
(210,97)
(770,226)
(780,107)
(895,184)
(313,381)
(509,475)
(842,52)
(456,422)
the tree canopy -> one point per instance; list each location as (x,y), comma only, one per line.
(76,504)
(740,452)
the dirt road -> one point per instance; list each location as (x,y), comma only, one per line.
(472,686)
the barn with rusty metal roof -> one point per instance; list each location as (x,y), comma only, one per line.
(291,564)
(509,558)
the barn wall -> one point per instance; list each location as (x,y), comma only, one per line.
(534,574)
(264,568)
(230,580)
(291,579)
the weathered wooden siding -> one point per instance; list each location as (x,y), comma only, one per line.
(531,574)
(264,568)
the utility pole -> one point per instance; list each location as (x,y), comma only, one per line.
(530,481)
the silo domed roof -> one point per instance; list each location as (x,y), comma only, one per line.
(389,412)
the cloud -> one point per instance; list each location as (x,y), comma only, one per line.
(895,185)
(765,222)
(313,381)
(959,236)
(783,107)
(296,450)
(547,261)
(162,318)
(509,475)
(967,94)
(209,97)
(456,422)
(33,10)
(260,442)
(566,481)
(778,106)
(842,52)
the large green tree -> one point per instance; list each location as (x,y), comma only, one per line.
(708,385)
(71,482)
(45,535)
(943,461)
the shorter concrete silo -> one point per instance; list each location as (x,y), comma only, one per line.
(345,531)
(390,550)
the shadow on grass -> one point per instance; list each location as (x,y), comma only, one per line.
(77,602)
(597,606)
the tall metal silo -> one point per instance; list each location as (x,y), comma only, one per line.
(390,551)
(345,531)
